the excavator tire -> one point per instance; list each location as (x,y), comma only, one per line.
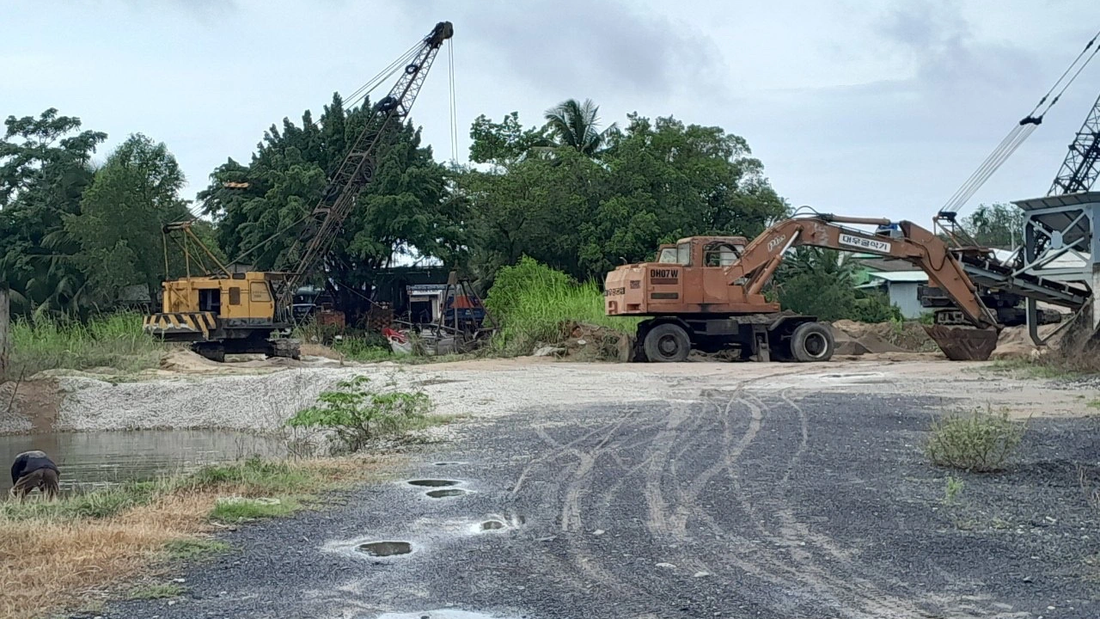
(667,343)
(812,341)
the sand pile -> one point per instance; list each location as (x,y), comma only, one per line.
(1015,343)
(859,338)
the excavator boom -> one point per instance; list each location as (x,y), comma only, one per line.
(908,242)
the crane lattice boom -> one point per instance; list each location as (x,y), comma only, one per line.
(1082,165)
(357,169)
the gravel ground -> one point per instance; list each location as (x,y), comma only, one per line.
(708,495)
(262,398)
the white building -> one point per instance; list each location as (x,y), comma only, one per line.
(902,288)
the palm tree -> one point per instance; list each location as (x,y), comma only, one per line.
(576,125)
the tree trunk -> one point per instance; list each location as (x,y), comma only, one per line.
(5,321)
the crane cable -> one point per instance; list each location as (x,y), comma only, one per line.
(1019,134)
(373,83)
(454,112)
(353,100)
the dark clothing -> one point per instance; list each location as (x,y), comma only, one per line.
(44,479)
(29,462)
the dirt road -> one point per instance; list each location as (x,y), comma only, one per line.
(697,490)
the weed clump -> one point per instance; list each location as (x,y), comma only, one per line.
(358,414)
(979,441)
(190,549)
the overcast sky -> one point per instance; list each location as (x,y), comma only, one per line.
(855,107)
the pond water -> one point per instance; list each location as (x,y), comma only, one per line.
(90,460)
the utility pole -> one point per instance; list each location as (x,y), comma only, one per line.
(5,320)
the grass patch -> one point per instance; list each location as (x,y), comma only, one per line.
(978,441)
(240,509)
(191,549)
(363,350)
(1040,368)
(110,340)
(1093,403)
(534,302)
(54,553)
(157,591)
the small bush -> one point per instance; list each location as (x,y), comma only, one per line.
(532,302)
(874,306)
(981,441)
(357,414)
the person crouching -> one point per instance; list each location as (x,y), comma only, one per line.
(34,469)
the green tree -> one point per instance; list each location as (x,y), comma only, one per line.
(118,229)
(820,282)
(45,166)
(576,125)
(504,142)
(656,181)
(996,225)
(261,208)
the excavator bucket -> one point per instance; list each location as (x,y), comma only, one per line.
(964,343)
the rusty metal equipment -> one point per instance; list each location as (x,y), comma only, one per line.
(707,293)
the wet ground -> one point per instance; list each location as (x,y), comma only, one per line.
(733,503)
(95,459)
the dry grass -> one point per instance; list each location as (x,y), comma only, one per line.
(51,560)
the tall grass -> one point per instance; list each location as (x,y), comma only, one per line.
(109,340)
(534,303)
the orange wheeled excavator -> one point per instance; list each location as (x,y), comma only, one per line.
(707,292)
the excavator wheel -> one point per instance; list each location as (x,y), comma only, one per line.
(667,343)
(812,341)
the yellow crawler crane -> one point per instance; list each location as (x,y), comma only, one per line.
(223,312)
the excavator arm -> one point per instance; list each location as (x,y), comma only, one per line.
(913,244)
(908,242)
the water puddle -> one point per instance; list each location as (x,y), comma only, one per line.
(446,492)
(433,483)
(385,549)
(446,463)
(492,525)
(90,460)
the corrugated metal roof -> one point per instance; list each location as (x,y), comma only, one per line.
(901,276)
